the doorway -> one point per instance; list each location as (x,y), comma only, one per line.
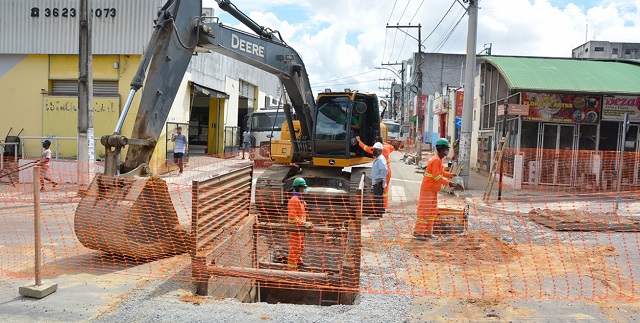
(557,154)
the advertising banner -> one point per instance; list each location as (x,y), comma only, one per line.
(562,108)
(459,101)
(614,108)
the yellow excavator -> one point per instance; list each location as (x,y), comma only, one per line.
(128,212)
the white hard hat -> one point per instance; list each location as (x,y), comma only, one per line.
(377,145)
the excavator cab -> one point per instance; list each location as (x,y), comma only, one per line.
(340,117)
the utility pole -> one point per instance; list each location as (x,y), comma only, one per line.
(402,84)
(393,98)
(420,103)
(86,144)
(467,107)
(504,131)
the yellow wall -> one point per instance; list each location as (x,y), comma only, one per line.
(65,67)
(61,120)
(23,103)
(21,99)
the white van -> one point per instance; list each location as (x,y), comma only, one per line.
(264,125)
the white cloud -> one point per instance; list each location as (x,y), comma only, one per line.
(321,30)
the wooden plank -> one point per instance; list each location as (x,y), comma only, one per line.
(558,225)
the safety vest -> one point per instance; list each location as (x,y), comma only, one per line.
(434,175)
(297,210)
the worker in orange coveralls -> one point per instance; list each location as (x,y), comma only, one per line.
(434,177)
(387,149)
(297,213)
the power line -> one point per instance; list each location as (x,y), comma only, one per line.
(391,14)
(405,10)
(345,77)
(439,22)
(417,10)
(449,33)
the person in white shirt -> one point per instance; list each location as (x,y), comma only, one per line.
(246,141)
(181,147)
(378,180)
(44,163)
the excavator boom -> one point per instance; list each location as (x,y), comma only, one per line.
(137,208)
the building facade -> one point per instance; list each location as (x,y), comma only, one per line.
(565,119)
(39,78)
(605,49)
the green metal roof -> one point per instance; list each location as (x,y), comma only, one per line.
(568,75)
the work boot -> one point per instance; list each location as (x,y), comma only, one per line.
(421,237)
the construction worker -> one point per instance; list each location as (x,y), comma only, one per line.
(297,213)
(434,178)
(387,149)
(379,172)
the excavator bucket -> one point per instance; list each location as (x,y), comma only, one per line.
(132,217)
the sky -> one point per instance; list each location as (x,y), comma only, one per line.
(342,42)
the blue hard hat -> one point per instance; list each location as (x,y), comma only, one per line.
(46,142)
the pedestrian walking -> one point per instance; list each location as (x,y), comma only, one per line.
(434,177)
(378,180)
(44,163)
(180,148)
(297,215)
(246,141)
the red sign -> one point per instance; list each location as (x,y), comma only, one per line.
(459,101)
(566,108)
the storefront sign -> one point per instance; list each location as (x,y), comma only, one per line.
(515,110)
(459,102)
(564,108)
(614,108)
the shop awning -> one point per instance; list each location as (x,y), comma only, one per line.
(208,92)
(568,75)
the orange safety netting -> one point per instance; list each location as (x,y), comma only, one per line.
(566,232)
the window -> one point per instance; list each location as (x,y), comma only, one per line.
(70,88)
(627,51)
(599,49)
(614,51)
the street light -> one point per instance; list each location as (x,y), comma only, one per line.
(400,75)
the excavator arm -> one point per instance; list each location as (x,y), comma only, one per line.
(178,31)
(131,214)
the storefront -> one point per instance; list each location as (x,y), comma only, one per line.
(566,129)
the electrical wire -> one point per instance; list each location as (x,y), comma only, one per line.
(417,10)
(344,77)
(439,22)
(449,33)
(405,10)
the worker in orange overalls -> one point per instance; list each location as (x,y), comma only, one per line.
(387,149)
(297,213)
(434,177)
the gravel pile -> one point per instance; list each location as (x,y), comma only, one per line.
(168,302)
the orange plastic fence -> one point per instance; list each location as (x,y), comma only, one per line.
(574,238)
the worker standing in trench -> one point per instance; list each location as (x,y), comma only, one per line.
(387,149)
(297,214)
(434,177)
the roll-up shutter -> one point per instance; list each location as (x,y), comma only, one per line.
(248,91)
(70,88)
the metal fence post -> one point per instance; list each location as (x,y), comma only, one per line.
(39,290)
